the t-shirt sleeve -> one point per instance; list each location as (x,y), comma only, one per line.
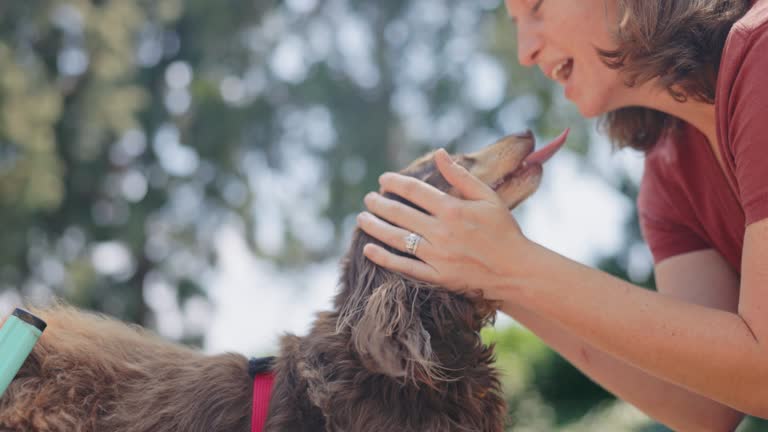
(666,238)
(748,108)
(663,224)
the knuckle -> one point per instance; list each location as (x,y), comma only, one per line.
(391,207)
(453,211)
(371,228)
(371,201)
(443,255)
(364,223)
(441,235)
(409,186)
(398,241)
(411,267)
(380,256)
(381,205)
(378,228)
(387,180)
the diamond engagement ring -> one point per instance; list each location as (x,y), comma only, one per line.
(412,243)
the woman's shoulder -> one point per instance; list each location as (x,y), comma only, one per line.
(753,25)
(754,19)
(744,60)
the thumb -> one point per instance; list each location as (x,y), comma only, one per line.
(468,185)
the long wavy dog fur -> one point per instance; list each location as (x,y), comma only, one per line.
(394,354)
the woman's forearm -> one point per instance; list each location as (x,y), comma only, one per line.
(710,352)
(672,405)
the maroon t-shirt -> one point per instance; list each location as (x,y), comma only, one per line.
(686,202)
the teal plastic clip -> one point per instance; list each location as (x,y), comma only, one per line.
(18,336)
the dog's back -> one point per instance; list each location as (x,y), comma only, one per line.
(90,373)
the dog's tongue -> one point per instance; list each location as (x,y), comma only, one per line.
(543,154)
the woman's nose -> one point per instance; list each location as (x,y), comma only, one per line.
(529,44)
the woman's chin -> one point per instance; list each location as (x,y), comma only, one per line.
(597,102)
(590,107)
(590,111)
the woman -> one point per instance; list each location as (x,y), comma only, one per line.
(683,80)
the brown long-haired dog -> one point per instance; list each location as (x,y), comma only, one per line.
(393,355)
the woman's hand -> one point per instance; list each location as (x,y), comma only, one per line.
(468,244)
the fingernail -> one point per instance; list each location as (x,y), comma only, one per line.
(447,156)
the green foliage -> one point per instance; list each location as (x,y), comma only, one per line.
(533,374)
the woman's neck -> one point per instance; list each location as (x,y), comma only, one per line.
(698,114)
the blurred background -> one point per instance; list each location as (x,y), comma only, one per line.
(195,166)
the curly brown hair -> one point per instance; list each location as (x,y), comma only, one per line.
(680,42)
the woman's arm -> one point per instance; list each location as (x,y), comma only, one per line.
(695,277)
(675,407)
(719,354)
(475,243)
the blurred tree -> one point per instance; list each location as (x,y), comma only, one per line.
(133,131)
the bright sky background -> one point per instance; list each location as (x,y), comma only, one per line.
(575,213)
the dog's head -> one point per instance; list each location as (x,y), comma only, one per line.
(509,166)
(398,324)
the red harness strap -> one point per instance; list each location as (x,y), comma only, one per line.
(262,391)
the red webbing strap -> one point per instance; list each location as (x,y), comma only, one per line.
(262,391)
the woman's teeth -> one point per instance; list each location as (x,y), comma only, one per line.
(563,71)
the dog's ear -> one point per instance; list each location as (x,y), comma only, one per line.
(382,311)
(390,336)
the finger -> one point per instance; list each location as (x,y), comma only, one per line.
(468,185)
(414,190)
(390,234)
(408,266)
(400,214)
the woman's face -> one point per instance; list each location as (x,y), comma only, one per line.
(561,37)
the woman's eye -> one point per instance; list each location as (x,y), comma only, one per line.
(536,6)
